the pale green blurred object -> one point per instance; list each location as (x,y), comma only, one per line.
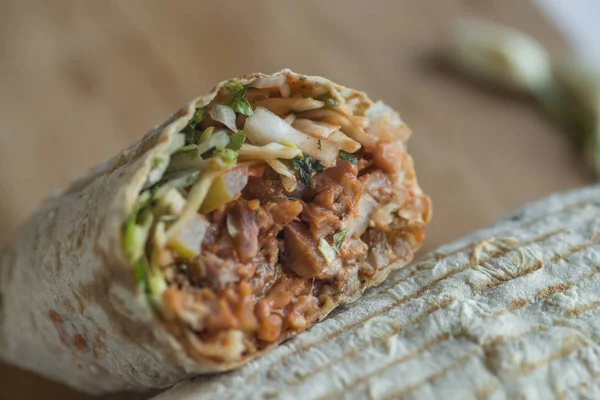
(500,54)
(569,90)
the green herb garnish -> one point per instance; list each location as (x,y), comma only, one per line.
(338,238)
(240,105)
(347,156)
(156,161)
(190,129)
(319,143)
(234,86)
(189,151)
(305,167)
(139,271)
(330,102)
(205,136)
(198,115)
(222,152)
(236,140)
(318,167)
(137,227)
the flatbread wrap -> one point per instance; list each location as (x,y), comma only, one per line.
(508,312)
(246,217)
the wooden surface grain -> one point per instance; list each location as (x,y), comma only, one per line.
(80,80)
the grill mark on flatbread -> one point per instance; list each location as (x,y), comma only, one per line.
(501,241)
(442,337)
(582,384)
(487,347)
(438,256)
(485,390)
(553,289)
(517,303)
(356,350)
(498,279)
(569,346)
(402,300)
(432,378)
(582,308)
(577,248)
(503,339)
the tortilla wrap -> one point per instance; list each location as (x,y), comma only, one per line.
(130,279)
(508,312)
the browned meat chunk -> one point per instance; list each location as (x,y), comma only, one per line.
(302,255)
(243,226)
(284,212)
(321,222)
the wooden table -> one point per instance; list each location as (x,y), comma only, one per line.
(80,80)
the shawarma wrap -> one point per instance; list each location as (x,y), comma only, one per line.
(246,217)
(509,312)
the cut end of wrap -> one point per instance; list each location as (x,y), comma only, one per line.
(271,201)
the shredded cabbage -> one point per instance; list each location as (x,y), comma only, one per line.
(269,151)
(265,127)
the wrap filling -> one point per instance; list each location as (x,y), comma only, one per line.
(279,200)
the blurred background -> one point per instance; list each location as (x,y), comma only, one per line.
(80,80)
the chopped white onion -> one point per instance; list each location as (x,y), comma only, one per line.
(188,240)
(223,114)
(327,251)
(219,138)
(231,228)
(195,198)
(225,188)
(264,127)
(170,199)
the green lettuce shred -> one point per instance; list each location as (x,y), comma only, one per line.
(234,86)
(206,135)
(236,140)
(190,129)
(338,238)
(137,228)
(221,152)
(239,104)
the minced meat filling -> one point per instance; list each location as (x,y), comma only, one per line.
(280,204)
(274,254)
